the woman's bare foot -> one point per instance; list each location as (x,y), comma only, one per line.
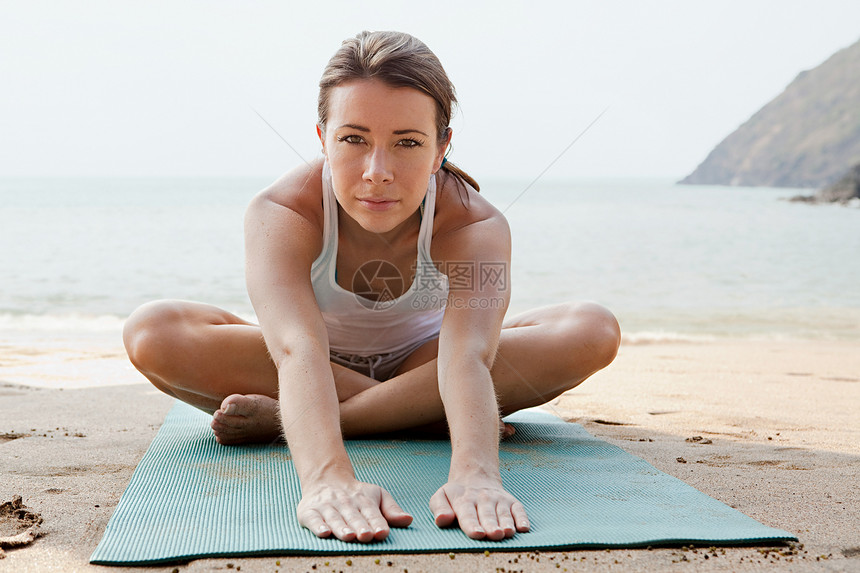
(505,430)
(244,419)
(254,418)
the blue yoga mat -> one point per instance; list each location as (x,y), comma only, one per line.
(190,497)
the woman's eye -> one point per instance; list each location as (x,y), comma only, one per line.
(350,138)
(409,143)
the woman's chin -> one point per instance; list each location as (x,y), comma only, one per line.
(381,222)
(377,227)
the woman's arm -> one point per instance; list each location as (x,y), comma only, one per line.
(477,261)
(281,245)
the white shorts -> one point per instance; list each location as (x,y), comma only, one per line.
(377,366)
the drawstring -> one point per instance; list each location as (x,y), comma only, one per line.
(371,362)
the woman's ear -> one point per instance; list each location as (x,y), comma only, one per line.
(443,147)
(321,135)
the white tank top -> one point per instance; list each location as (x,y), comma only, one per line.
(364,327)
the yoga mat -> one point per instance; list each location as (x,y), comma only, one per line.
(190,497)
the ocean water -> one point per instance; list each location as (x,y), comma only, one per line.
(673,262)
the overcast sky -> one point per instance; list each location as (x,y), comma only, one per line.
(174,87)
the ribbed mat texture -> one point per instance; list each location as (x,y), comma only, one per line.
(190,497)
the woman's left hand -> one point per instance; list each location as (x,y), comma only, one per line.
(482,508)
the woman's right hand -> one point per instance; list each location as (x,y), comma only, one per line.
(350,510)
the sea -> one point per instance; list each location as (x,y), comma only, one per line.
(673,262)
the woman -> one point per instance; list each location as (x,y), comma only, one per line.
(380,280)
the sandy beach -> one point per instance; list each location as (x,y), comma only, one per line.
(768,427)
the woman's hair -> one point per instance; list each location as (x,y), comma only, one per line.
(398,60)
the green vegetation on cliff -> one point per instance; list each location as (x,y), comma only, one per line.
(808,136)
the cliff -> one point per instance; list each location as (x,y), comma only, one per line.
(845,191)
(808,136)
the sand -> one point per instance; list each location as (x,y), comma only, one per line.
(768,427)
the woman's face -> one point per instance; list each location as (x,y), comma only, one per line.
(382,148)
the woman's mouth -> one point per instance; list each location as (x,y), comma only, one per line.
(377,204)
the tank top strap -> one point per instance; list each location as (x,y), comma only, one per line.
(329,213)
(425,233)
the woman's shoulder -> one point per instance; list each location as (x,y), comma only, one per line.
(465,221)
(299,190)
(458,205)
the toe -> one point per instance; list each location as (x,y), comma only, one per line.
(234,405)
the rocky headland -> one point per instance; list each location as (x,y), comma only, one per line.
(845,191)
(807,137)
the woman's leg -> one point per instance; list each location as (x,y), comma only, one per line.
(198,353)
(542,353)
(217,362)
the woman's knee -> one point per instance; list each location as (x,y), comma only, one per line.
(152,332)
(594,327)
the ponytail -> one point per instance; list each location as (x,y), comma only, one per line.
(460,176)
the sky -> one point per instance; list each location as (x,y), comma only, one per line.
(217,88)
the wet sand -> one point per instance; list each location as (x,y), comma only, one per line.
(767,427)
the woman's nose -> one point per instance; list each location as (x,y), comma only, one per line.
(378,168)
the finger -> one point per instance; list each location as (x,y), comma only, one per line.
(392,512)
(337,523)
(467,518)
(489,518)
(506,519)
(367,519)
(313,521)
(443,513)
(356,521)
(521,519)
(378,525)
